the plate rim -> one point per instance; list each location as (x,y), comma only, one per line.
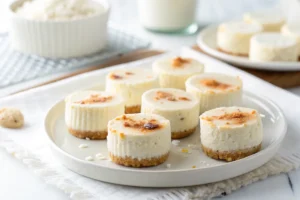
(244,62)
(259,154)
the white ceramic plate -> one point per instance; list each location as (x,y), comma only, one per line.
(208,43)
(66,150)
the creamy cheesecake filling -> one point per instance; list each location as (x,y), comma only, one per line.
(271,22)
(88,112)
(178,106)
(273,47)
(215,90)
(231,129)
(173,72)
(292,31)
(131,84)
(139,136)
(234,37)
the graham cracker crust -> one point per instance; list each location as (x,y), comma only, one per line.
(182,134)
(231,53)
(232,155)
(97,135)
(134,162)
(132,109)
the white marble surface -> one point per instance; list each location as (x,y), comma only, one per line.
(18,182)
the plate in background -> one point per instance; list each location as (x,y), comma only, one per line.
(207,41)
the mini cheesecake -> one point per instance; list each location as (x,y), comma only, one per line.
(88,112)
(215,90)
(139,140)
(292,30)
(178,106)
(231,133)
(131,84)
(234,37)
(270,22)
(173,72)
(267,47)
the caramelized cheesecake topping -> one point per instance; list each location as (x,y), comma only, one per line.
(215,84)
(234,118)
(142,125)
(115,77)
(94,98)
(170,97)
(129,73)
(179,61)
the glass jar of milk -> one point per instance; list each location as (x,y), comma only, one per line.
(170,16)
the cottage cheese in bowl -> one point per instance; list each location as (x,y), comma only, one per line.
(59,28)
(58,9)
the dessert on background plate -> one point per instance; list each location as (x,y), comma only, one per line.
(273,47)
(139,140)
(234,37)
(292,30)
(178,106)
(173,72)
(215,90)
(271,22)
(58,29)
(131,84)
(231,133)
(88,112)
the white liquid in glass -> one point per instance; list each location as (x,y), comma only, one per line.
(167,15)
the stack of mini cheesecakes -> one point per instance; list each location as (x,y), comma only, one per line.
(142,110)
(261,36)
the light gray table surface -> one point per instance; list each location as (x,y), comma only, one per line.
(17,182)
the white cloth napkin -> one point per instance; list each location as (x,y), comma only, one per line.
(29,144)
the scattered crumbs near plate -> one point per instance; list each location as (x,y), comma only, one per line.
(89,158)
(99,156)
(175,142)
(83,146)
(193,146)
(87,138)
(194,166)
(168,165)
(184,150)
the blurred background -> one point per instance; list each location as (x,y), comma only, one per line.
(125,14)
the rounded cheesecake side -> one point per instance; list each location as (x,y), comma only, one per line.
(88,112)
(215,90)
(131,84)
(173,72)
(231,133)
(178,106)
(234,37)
(139,140)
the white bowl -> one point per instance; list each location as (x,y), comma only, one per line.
(60,38)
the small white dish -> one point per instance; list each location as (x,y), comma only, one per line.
(207,41)
(59,38)
(178,170)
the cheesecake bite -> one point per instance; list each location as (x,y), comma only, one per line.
(215,90)
(178,106)
(231,133)
(88,112)
(271,22)
(131,84)
(139,140)
(267,47)
(293,31)
(234,37)
(173,72)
